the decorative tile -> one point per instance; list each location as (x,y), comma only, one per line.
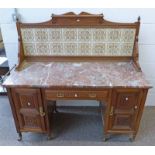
(55,35)
(126,49)
(84,35)
(29,49)
(70,34)
(70,48)
(42,49)
(128,35)
(114,35)
(99,35)
(41,35)
(84,48)
(56,49)
(99,49)
(113,49)
(27,35)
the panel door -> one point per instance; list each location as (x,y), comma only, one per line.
(29,109)
(124,109)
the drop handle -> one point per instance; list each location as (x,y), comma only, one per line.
(60,94)
(92,95)
(42,113)
(111,111)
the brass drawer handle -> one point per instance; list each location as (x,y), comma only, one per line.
(60,94)
(92,95)
(42,113)
(111,111)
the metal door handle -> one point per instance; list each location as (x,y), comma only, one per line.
(111,111)
(42,113)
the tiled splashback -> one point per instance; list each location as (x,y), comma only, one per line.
(78,41)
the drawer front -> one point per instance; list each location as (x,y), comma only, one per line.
(63,94)
(29,109)
(126,100)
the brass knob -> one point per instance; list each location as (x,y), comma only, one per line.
(29,104)
(126,98)
(76,95)
(135,107)
(78,20)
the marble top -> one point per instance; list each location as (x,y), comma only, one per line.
(77,74)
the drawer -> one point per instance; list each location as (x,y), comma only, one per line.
(69,94)
(127,100)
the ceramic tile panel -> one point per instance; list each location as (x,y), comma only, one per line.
(78,41)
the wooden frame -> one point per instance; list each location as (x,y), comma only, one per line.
(70,20)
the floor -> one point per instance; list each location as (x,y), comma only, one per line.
(75,126)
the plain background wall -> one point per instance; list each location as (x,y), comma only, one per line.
(146,37)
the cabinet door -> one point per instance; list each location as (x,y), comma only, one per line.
(124,109)
(29,109)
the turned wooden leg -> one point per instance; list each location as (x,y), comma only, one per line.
(50,136)
(132,137)
(106,137)
(55,107)
(19,136)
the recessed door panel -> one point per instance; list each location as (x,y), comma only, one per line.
(28,105)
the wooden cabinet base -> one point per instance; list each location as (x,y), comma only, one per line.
(33,108)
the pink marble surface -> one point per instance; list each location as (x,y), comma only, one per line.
(77,74)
